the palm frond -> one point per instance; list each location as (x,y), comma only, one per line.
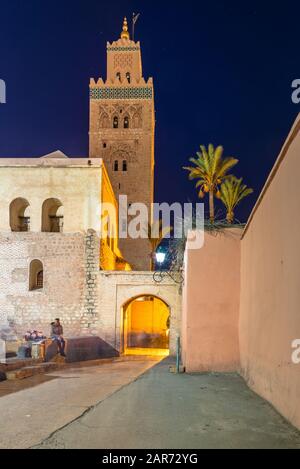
(232,192)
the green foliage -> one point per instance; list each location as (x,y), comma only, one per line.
(210,169)
(232,191)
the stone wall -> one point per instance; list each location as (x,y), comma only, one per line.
(70,262)
(91,264)
(88,301)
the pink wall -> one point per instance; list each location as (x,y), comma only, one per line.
(241,299)
(211,304)
(270,286)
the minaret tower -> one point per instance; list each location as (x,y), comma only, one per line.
(122,132)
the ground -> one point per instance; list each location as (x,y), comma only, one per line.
(138,403)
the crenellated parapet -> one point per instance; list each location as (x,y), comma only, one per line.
(123,45)
(120,83)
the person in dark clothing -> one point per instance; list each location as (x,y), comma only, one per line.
(57,336)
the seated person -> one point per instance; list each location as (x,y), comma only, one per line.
(57,336)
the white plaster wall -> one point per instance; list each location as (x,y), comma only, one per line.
(76,184)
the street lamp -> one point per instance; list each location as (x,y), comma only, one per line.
(159,275)
(160,257)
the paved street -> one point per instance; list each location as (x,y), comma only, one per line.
(122,405)
(30,415)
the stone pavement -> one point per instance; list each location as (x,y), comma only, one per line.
(163,410)
(139,404)
(34,408)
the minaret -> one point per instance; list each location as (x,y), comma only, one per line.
(122,132)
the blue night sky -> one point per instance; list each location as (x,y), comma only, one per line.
(222,74)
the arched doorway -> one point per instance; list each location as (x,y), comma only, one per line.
(146,320)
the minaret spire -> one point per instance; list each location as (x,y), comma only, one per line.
(125,33)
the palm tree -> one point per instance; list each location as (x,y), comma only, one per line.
(156,233)
(210,169)
(232,191)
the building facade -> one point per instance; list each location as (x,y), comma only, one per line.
(60,252)
(50,250)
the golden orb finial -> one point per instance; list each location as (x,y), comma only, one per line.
(125,33)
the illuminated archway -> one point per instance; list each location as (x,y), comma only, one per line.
(146,321)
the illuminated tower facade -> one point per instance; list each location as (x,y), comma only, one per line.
(122,124)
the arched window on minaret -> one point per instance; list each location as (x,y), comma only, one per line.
(104,121)
(124,165)
(118,76)
(126,122)
(136,121)
(128,77)
(116,122)
(116,165)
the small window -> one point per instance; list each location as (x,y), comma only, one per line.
(40,279)
(126,122)
(128,77)
(104,145)
(116,166)
(116,122)
(36,275)
(124,165)
(119,186)
(118,76)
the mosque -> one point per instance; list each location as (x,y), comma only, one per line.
(54,259)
